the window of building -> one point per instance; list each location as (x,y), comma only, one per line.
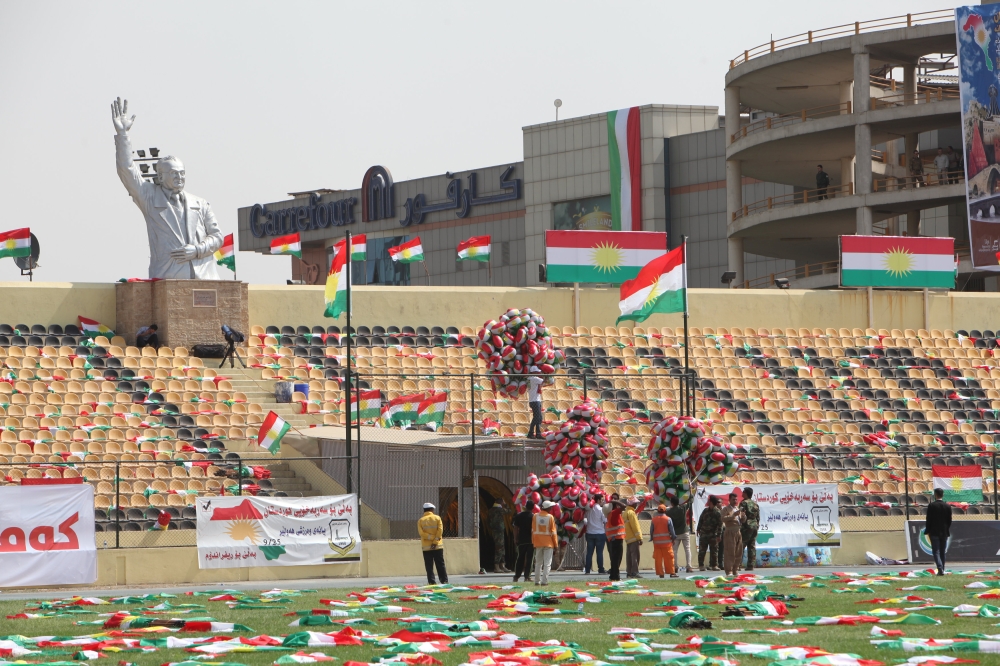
(505,253)
(379,268)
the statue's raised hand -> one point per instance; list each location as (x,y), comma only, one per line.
(119,115)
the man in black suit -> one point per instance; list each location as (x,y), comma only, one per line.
(938,528)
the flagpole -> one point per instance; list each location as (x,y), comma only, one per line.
(347,377)
(687,368)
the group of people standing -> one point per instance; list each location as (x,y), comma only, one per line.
(734,527)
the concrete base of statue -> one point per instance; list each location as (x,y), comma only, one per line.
(186,312)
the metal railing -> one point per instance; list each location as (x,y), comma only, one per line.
(925,96)
(791,119)
(856,28)
(797,273)
(793,198)
(929,179)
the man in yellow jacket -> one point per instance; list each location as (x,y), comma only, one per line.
(545,539)
(431,530)
(633,539)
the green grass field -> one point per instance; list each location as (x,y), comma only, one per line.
(592,638)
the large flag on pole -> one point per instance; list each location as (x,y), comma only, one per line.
(336,282)
(226,255)
(408,253)
(476,248)
(625,159)
(289,244)
(16,243)
(661,286)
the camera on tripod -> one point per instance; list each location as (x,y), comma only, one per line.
(232,335)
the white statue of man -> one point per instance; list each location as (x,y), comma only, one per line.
(183,233)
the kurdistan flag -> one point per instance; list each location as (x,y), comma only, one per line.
(16,243)
(903,262)
(960,483)
(371,405)
(271,431)
(404,408)
(432,409)
(93,328)
(226,255)
(476,248)
(289,244)
(336,283)
(600,256)
(408,252)
(359,247)
(661,286)
(625,160)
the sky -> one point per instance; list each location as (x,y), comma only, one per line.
(264,98)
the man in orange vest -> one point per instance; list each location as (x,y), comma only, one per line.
(661,533)
(545,539)
(614,529)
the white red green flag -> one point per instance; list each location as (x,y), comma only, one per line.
(476,248)
(93,328)
(961,483)
(336,283)
(661,286)
(271,431)
(600,256)
(431,410)
(15,243)
(625,159)
(359,247)
(902,262)
(408,252)
(289,244)
(370,406)
(404,408)
(226,255)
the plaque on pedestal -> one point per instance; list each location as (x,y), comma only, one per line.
(187,312)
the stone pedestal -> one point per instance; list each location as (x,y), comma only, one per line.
(186,312)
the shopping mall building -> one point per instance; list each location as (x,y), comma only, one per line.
(741,186)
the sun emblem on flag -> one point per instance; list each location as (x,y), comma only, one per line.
(10,244)
(284,248)
(956,483)
(607,257)
(898,261)
(654,293)
(242,529)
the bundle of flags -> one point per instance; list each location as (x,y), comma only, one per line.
(418,408)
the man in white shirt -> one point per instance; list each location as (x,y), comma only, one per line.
(535,402)
(941,162)
(596,538)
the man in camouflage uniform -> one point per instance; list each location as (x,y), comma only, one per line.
(498,529)
(709,533)
(750,516)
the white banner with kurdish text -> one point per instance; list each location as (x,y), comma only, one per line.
(791,515)
(47,535)
(277,531)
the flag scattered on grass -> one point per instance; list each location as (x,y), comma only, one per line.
(625,159)
(336,283)
(289,244)
(93,328)
(897,261)
(408,252)
(431,410)
(600,256)
(226,255)
(15,243)
(271,431)
(660,287)
(476,248)
(370,407)
(960,483)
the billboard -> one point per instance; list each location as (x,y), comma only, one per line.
(970,541)
(978,33)
(277,531)
(591,214)
(791,515)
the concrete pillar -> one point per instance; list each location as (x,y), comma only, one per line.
(910,83)
(734,181)
(863,159)
(846,95)
(735,244)
(863,226)
(846,170)
(913,223)
(862,81)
